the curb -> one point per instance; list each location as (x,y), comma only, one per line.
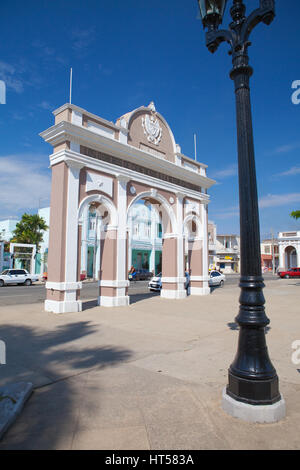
(14,397)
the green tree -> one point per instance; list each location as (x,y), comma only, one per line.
(29,230)
(295,214)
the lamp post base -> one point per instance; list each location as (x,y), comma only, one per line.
(253,413)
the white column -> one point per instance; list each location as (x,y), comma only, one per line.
(100,233)
(71,284)
(32,263)
(281,257)
(180,246)
(206,289)
(1,256)
(122,298)
(153,238)
(84,237)
(152,258)
(129,264)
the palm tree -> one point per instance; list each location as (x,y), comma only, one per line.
(295,214)
(29,230)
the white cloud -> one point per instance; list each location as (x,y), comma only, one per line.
(275,200)
(295,170)
(7,74)
(46,105)
(82,39)
(285,148)
(24,179)
(228,213)
(226,172)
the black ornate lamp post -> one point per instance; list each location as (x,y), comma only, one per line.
(252,392)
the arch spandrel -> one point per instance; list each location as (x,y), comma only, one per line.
(150,132)
(107,184)
(135,187)
(156,197)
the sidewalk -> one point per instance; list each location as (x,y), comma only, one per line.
(147,376)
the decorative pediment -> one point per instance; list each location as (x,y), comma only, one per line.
(152,129)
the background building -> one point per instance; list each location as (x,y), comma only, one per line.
(289,250)
(224,251)
(145,242)
(212,244)
(228,253)
(7,228)
(269,249)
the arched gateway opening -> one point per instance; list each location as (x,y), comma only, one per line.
(290,257)
(100,171)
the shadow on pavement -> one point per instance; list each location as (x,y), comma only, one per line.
(57,361)
(138,297)
(89,304)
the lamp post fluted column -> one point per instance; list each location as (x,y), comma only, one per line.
(252,392)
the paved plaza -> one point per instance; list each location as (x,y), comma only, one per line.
(147,376)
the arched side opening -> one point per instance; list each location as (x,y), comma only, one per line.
(99,219)
(145,230)
(290,254)
(167,255)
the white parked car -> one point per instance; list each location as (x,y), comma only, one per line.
(17,276)
(155,283)
(216,279)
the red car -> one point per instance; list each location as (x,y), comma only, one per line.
(292,272)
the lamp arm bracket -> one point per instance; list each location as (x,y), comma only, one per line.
(265,13)
(215,37)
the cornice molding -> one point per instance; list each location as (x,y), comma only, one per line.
(66,131)
(93,164)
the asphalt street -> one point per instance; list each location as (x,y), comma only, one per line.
(15,295)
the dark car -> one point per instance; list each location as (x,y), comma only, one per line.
(292,272)
(143,275)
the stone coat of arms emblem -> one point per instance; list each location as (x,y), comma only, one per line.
(152,129)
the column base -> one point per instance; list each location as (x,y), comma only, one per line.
(63,306)
(106,301)
(173,294)
(253,413)
(199,290)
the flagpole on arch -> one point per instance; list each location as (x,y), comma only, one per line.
(71,85)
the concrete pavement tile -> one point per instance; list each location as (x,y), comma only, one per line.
(115,438)
(185,436)
(249,436)
(100,410)
(193,365)
(172,405)
(56,437)
(130,380)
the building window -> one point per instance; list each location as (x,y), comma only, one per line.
(148,229)
(267,250)
(92,223)
(159,231)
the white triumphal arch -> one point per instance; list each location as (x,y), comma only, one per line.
(105,166)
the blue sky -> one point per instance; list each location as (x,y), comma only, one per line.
(126,54)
